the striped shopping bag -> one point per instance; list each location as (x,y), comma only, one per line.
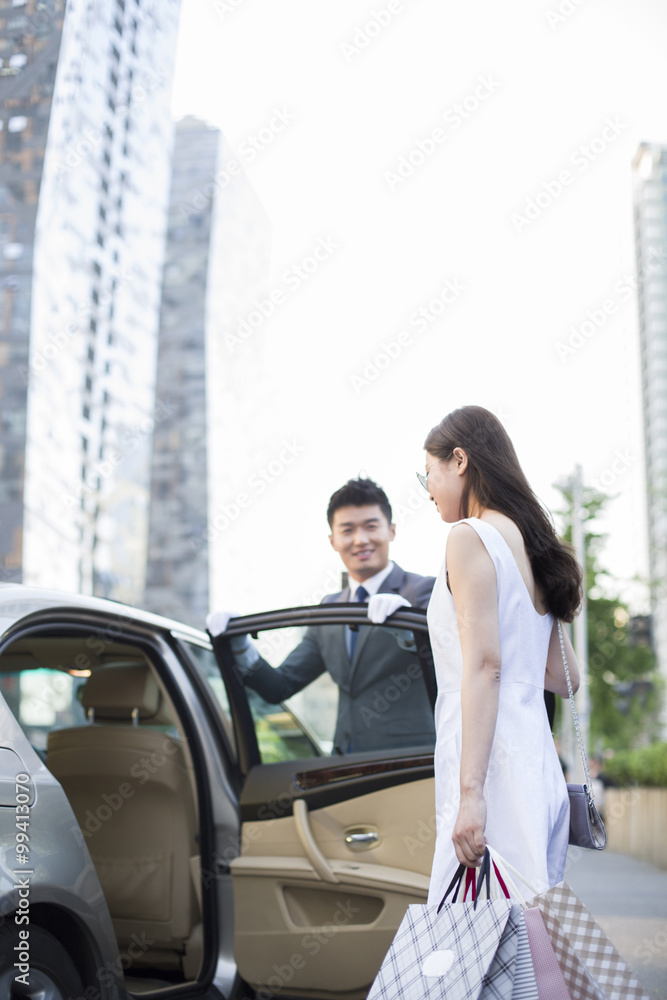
(511,975)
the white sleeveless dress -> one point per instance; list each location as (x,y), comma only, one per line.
(528,813)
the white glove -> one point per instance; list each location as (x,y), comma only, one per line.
(245,653)
(217,621)
(380,606)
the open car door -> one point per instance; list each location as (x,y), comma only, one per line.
(334,844)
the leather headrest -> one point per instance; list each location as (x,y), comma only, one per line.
(116,689)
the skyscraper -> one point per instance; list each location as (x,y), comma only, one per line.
(650,200)
(29,47)
(96,254)
(210,399)
(177,575)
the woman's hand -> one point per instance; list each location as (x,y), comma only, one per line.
(468,835)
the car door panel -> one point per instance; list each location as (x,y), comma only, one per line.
(340,919)
(333,849)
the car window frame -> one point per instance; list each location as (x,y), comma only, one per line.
(329,613)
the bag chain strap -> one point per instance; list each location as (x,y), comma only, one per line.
(575,718)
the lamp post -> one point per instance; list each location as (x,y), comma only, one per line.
(581,621)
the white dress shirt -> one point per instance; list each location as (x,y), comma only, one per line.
(372,584)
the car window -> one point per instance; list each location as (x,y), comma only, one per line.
(204,659)
(43,678)
(380,702)
(43,699)
(281,735)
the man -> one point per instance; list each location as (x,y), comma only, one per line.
(383,701)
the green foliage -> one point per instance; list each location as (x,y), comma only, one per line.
(646,767)
(623,686)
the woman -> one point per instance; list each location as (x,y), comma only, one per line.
(492,617)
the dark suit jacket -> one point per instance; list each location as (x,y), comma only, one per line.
(382,701)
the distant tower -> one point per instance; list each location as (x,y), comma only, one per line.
(650,197)
(29,47)
(210,400)
(87,131)
(177,576)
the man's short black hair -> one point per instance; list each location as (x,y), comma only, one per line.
(359,493)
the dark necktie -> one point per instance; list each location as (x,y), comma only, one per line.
(360,596)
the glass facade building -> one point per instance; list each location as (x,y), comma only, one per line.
(30,35)
(88,338)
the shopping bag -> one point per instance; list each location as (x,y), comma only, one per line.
(537,975)
(578,940)
(445,951)
(580,982)
(498,983)
(548,975)
(525,985)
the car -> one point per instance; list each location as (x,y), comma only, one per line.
(165,831)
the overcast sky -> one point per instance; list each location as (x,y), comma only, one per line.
(469,160)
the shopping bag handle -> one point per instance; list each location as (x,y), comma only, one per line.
(505,871)
(455,885)
(483,879)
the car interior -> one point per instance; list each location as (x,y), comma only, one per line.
(107,730)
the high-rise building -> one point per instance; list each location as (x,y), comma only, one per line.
(91,269)
(650,198)
(177,577)
(211,397)
(29,45)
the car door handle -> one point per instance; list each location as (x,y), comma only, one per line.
(320,864)
(361,838)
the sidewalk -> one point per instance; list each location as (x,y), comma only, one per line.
(628,898)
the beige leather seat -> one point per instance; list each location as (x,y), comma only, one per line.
(131,793)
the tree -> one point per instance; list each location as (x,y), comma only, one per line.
(624,689)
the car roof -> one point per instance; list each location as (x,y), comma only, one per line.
(17,601)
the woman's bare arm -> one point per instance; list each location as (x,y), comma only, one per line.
(472,580)
(554,677)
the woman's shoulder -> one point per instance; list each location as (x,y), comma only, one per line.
(464,541)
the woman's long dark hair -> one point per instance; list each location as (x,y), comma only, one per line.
(496,481)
